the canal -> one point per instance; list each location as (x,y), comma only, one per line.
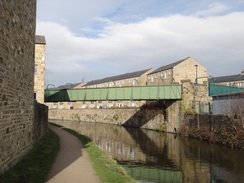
(151,156)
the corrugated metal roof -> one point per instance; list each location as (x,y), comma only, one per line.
(40,39)
(169,66)
(118,77)
(237,77)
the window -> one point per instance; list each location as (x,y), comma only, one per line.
(165,75)
(35,95)
(134,82)
(169,72)
(240,84)
(36,68)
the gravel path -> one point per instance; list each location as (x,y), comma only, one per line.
(72,164)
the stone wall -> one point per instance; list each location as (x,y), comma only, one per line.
(193,95)
(188,69)
(210,122)
(17,44)
(161,115)
(39,78)
(41,120)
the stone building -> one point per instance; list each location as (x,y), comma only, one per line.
(17,50)
(137,78)
(236,80)
(40,48)
(185,69)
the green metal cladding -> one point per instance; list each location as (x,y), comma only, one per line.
(120,93)
(217,89)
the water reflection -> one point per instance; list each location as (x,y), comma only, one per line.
(151,156)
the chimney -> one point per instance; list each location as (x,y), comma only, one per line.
(242,72)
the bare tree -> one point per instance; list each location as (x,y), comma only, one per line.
(233,106)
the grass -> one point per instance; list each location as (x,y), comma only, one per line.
(106,168)
(35,166)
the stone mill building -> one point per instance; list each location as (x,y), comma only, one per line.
(17,106)
(39,82)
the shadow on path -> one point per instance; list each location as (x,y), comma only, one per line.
(72,163)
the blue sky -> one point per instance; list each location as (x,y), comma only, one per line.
(93,39)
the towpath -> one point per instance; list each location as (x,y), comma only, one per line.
(72,164)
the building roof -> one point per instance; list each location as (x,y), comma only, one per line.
(169,66)
(220,79)
(118,77)
(40,39)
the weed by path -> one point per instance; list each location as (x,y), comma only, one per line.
(107,169)
(35,166)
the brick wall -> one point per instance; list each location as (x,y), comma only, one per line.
(17,43)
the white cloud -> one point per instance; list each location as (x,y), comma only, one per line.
(216,42)
(213,9)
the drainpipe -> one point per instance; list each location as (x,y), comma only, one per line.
(196,74)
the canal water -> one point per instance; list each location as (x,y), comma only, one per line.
(152,157)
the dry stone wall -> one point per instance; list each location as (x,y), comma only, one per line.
(17,43)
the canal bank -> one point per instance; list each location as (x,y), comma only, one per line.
(151,156)
(212,128)
(72,163)
(218,129)
(162,117)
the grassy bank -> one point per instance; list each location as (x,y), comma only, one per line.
(35,166)
(106,168)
